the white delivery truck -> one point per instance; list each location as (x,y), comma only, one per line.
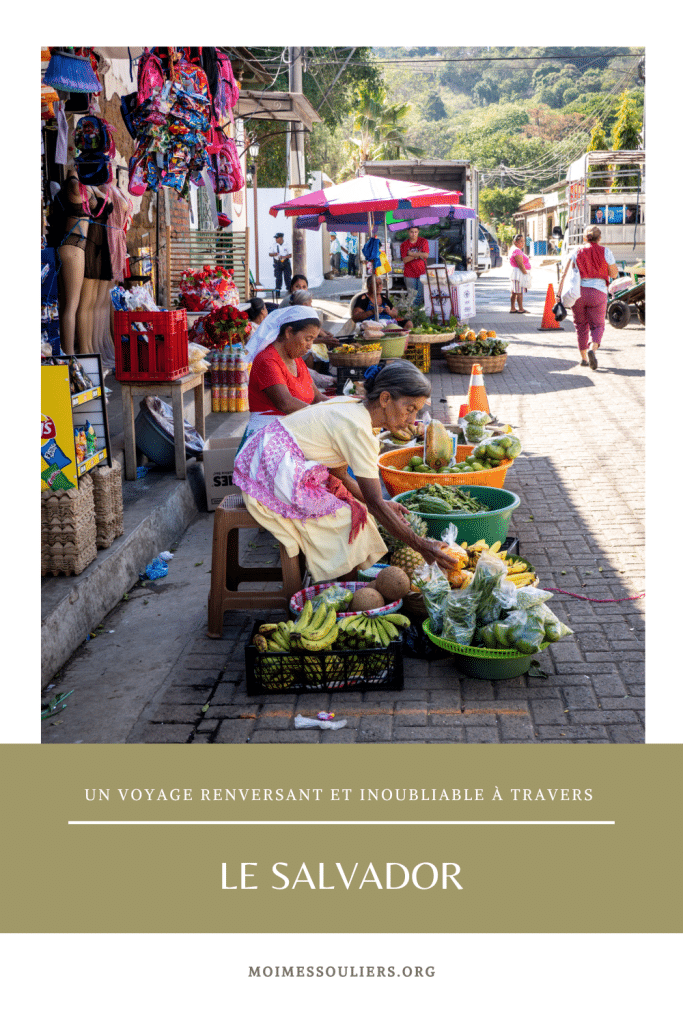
(462,244)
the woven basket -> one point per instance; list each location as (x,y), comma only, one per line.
(355,358)
(464,364)
(431,339)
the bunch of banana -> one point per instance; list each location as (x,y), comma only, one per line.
(518,571)
(361,631)
(274,638)
(314,630)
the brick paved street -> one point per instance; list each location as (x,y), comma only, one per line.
(580,523)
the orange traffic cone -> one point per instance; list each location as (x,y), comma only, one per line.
(549,323)
(476,396)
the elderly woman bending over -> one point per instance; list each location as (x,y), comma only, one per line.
(294,476)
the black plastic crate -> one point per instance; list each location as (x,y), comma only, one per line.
(374,668)
(357,373)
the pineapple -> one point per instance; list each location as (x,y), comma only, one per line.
(407,559)
(416,524)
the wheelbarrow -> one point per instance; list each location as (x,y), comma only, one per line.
(619,307)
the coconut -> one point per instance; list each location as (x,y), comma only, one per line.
(365,599)
(392,583)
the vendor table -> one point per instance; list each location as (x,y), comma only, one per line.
(176,389)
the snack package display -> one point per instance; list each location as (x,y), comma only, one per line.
(80,444)
(90,438)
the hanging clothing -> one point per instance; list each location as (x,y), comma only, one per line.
(118,224)
(97,258)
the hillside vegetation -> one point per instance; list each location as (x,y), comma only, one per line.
(522,114)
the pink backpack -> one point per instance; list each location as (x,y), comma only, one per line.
(227,90)
(150,75)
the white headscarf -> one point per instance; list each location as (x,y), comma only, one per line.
(269,329)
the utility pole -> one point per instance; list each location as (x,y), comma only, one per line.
(297,169)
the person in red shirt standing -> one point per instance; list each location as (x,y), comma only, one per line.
(413,251)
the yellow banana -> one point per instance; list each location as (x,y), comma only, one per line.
(281,636)
(397,620)
(383,630)
(318,645)
(267,628)
(274,646)
(317,619)
(306,615)
(320,631)
(260,643)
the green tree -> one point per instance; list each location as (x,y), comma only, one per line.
(434,109)
(626,135)
(333,100)
(600,177)
(498,204)
(379,131)
(627,130)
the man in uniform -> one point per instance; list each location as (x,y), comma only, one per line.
(282,262)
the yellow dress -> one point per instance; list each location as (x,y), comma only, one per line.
(333,434)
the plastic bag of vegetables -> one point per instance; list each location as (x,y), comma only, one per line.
(460,615)
(434,586)
(334,596)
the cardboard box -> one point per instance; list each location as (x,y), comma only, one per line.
(219,461)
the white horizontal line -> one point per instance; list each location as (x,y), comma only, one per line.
(295,822)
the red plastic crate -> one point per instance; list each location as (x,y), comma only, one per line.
(151,346)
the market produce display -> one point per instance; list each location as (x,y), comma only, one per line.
(406,434)
(491,612)
(318,631)
(438,446)
(358,348)
(422,324)
(481,343)
(435,498)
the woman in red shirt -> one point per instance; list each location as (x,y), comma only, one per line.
(279,380)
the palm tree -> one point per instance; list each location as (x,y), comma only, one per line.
(379,131)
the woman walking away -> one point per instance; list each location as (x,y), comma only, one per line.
(520,278)
(596,266)
(295,481)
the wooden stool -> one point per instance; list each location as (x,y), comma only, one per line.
(176,389)
(227,573)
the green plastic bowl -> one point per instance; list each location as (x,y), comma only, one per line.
(484,662)
(473,526)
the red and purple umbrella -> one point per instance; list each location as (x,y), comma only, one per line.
(366,195)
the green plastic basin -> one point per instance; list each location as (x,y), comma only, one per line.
(473,526)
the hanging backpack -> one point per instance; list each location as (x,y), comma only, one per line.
(94,169)
(150,75)
(129,105)
(226,91)
(225,163)
(94,135)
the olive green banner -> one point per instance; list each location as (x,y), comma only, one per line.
(326,839)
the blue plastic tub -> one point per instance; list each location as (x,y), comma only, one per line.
(157,443)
